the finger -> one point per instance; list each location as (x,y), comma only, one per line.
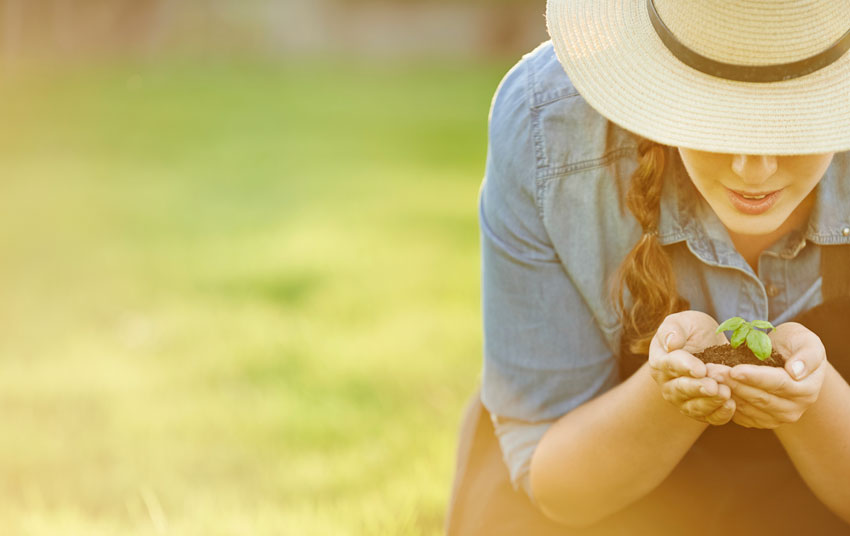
(767,402)
(673,340)
(770,379)
(752,422)
(700,408)
(802,349)
(723,414)
(665,340)
(672,333)
(776,381)
(752,417)
(683,388)
(677,363)
(688,330)
(718,372)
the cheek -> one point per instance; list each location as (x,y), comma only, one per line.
(706,182)
(704,170)
(800,189)
(805,181)
(809,171)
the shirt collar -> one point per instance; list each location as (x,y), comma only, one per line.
(678,201)
(829,222)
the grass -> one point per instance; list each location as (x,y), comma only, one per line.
(238,297)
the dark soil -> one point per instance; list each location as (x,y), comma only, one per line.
(724,354)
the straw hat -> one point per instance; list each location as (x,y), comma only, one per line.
(728,76)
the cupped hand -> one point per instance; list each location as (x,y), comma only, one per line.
(768,397)
(684,379)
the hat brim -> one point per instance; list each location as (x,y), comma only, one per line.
(614,58)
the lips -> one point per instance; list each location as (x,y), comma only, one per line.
(753,203)
(754,194)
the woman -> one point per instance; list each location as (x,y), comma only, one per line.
(657,167)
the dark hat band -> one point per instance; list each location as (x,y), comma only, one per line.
(745,73)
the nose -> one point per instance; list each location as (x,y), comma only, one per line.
(754,169)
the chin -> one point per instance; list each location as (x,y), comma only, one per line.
(754,227)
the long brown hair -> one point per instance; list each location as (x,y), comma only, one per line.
(646,271)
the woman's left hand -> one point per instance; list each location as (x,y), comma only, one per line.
(768,397)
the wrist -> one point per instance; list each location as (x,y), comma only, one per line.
(818,411)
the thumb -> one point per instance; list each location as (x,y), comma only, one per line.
(672,339)
(802,349)
(674,331)
(689,331)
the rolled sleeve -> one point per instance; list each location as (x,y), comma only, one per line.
(518,440)
(544,354)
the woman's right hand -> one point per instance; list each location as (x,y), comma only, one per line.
(685,381)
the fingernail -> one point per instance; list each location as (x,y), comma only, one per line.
(667,342)
(797,368)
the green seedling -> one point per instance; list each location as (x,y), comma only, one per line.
(757,341)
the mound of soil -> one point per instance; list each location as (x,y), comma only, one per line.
(724,354)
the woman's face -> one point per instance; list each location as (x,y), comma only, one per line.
(754,195)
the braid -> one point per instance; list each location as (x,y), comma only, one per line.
(646,271)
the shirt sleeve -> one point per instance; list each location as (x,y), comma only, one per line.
(543,352)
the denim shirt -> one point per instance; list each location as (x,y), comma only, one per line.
(555,228)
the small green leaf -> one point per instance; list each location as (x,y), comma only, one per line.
(740,335)
(730,325)
(763,324)
(759,343)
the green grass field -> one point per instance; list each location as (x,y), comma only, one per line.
(238,297)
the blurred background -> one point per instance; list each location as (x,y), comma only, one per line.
(239,271)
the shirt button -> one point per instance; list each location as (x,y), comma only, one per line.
(845,231)
(772,291)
